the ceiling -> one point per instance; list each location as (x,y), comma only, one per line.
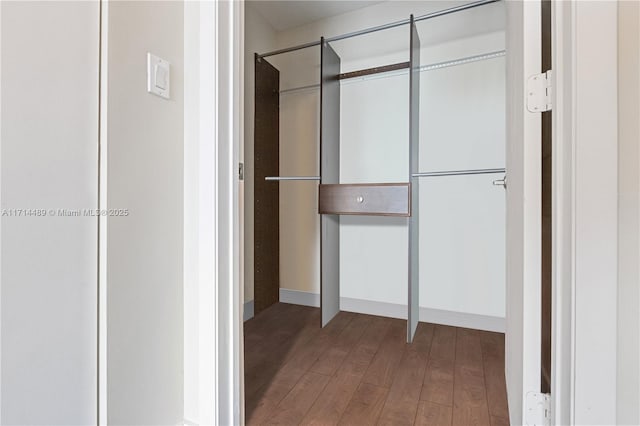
(283,15)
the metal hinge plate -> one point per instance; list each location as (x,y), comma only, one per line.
(241,171)
(538,409)
(539,92)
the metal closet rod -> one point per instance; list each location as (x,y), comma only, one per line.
(458,172)
(421,174)
(381,27)
(279,178)
(428,67)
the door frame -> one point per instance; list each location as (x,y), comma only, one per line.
(213,72)
(584,191)
(524,172)
(523,319)
(213,299)
(585,221)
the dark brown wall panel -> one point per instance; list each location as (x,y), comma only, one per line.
(266,220)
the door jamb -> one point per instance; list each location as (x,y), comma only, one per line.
(563,232)
(524,134)
(585,195)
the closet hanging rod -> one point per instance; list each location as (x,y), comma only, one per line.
(279,178)
(463,61)
(458,172)
(431,15)
(429,67)
(381,27)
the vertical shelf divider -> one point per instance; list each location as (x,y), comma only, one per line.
(329,174)
(413,314)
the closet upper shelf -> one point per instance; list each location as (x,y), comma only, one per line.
(284,178)
(374,70)
(381,27)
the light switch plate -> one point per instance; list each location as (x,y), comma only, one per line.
(158,76)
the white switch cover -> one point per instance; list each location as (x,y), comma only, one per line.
(158,76)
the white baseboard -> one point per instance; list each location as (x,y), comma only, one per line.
(297,297)
(248,310)
(435,316)
(394,310)
(381,309)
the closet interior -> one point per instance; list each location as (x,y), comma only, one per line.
(385,185)
(375,222)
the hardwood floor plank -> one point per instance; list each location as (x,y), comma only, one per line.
(306,355)
(272,380)
(438,382)
(261,368)
(260,406)
(256,382)
(333,358)
(493,361)
(369,344)
(469,392)
(269,381)
(333,329)
(404,394)
(385,362)
(273,343)
(335,397)
(499,421)
(258,413)
(432,414)
(443,345)
(365,405)
(423,338)
(359,370)
(332,402)
(338,323)
(469,348)
(261,322)
(469,397)
(309,332)
(295,405)
(258,331)
(273,321)
(407,382)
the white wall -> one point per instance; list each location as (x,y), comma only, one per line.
(462,126)
(145,249)
(628,338)
(191,208)
(49,161)
(596,215)
(259,37)
(462,218)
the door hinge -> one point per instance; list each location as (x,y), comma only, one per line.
(539,92)
(241,171)
(538,409)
